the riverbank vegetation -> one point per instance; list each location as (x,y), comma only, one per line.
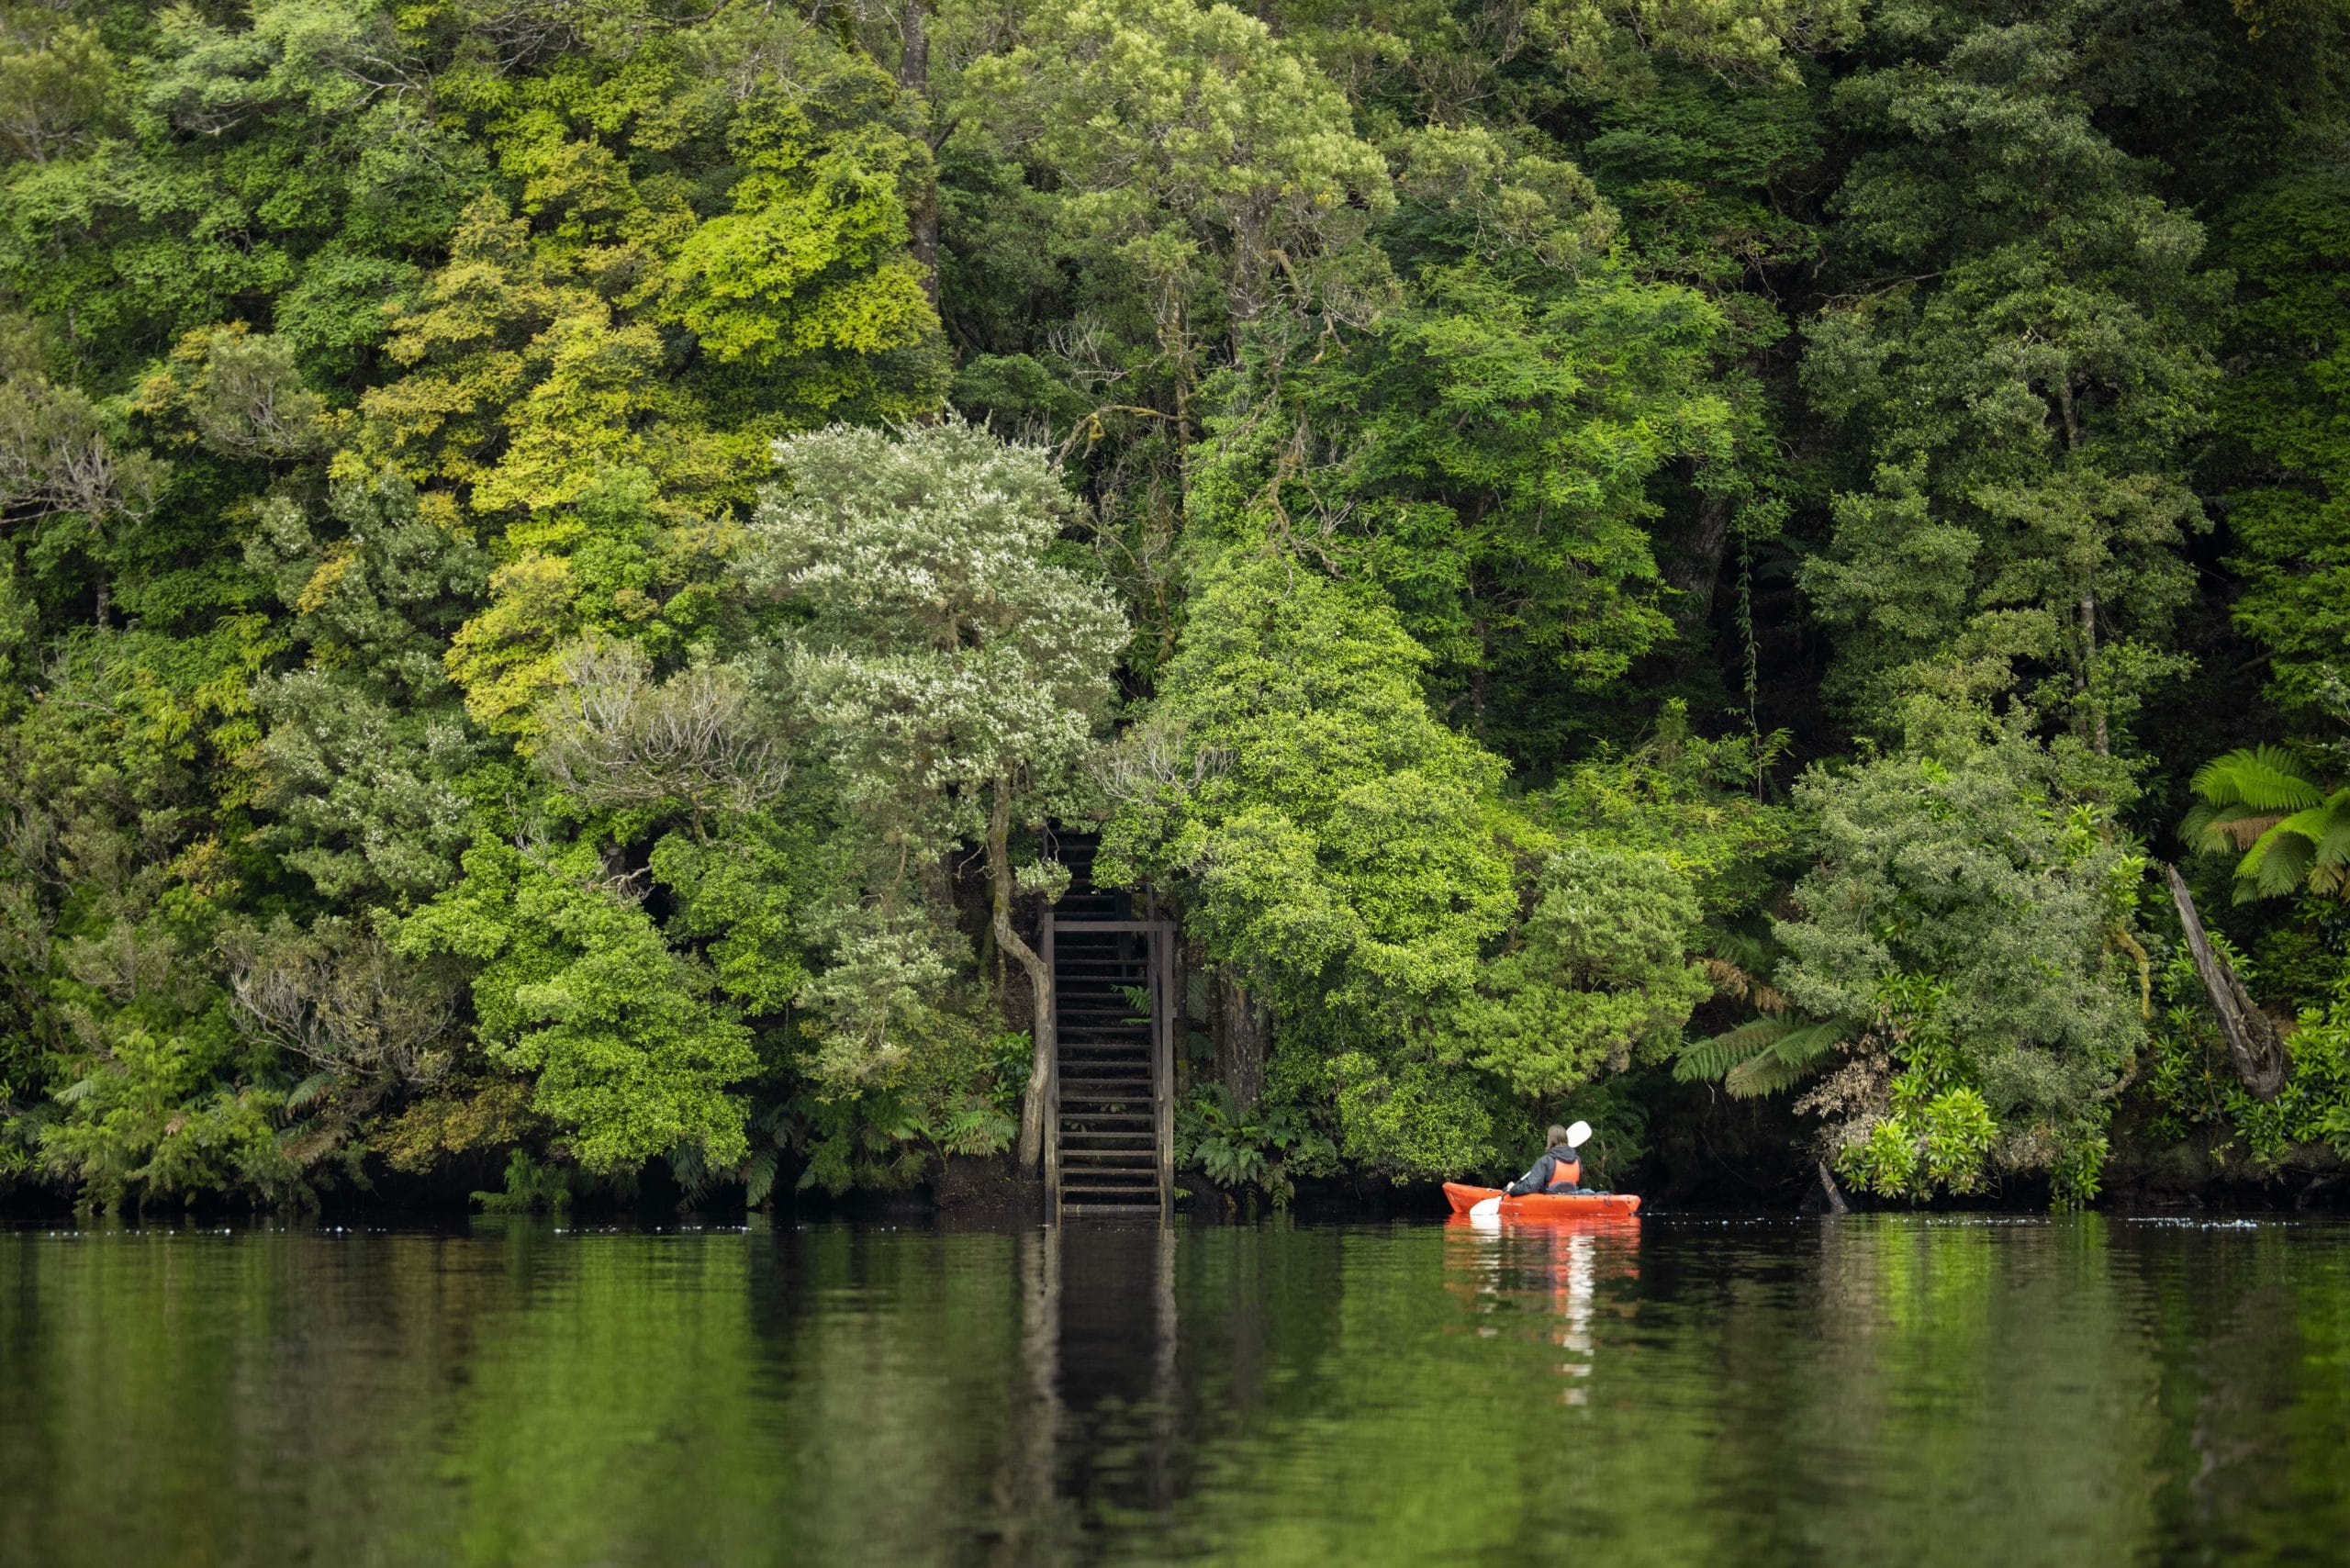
(1776,577)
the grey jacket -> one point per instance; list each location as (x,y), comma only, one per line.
(1546,1170)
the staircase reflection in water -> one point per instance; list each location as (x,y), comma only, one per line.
(1099,1431)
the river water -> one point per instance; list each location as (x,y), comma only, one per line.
(1984,1391)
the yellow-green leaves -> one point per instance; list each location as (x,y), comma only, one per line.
(595,375)
(812,256)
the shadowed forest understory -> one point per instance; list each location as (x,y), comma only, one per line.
(1773,577)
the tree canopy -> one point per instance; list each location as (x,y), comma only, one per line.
(1768,576)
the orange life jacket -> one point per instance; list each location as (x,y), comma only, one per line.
(1567,1172)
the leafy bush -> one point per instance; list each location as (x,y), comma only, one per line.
(1266,1147)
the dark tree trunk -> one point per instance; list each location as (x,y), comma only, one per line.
(1240,1033)
(2254,1047)
(1829,1194)
(914,76)
(1693,567)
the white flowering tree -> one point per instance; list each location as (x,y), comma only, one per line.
(958,680)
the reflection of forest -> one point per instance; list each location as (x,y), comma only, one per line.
(1555,1268)
(1867,1390)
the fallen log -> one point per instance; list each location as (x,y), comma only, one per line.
(2255,1049)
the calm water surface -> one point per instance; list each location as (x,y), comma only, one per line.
(1981,1393)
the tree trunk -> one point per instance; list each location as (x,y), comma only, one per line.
(922,214)
(2254,1047)
(1239,1042)
(1829,1192)
(1693,567)
(2088,672)
(1031,1151)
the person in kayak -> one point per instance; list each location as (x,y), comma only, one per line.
(1561,1168)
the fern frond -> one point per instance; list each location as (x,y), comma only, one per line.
(1762,1076)
(691,1170)
(758,1177)
(308,1089)
(1785,1062)
(2259,779)
(2334,843)
(2220,828)
(1741,949)
(1727,978)
(2275,866)
(1714,1058)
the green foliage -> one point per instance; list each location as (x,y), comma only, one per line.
(145,1118)
(1266,1147)
(1328,837)
(2289,408)
(952,1090)
(1963,933)
(2263,801)
(1763,1055)
(1454,459)
(2193,1087)
(531,1188)
(1597,970)
(1486,453)
(2020,351)
(1406,1118)
(953,677)
(573,983)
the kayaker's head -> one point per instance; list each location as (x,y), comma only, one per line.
(1556,1137)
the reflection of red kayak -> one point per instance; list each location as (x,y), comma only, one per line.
(1546,1206)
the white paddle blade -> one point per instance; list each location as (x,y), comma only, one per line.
(1486,1209)
(1578,1134)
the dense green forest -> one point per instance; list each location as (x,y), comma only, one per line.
(1762,572)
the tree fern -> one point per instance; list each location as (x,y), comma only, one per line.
(1761,1055)
(1712,1059)
(759,1176)
(309,1090)
(2263,802)
(2245,793)
(1787,1061)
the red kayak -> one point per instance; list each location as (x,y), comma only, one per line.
(1546,1206)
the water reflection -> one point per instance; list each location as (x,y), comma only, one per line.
(1096,1414)
(1551,1271)
(1929,1391)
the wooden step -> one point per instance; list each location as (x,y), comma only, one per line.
(1106,1123)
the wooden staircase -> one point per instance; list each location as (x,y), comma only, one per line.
(1112,1140)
